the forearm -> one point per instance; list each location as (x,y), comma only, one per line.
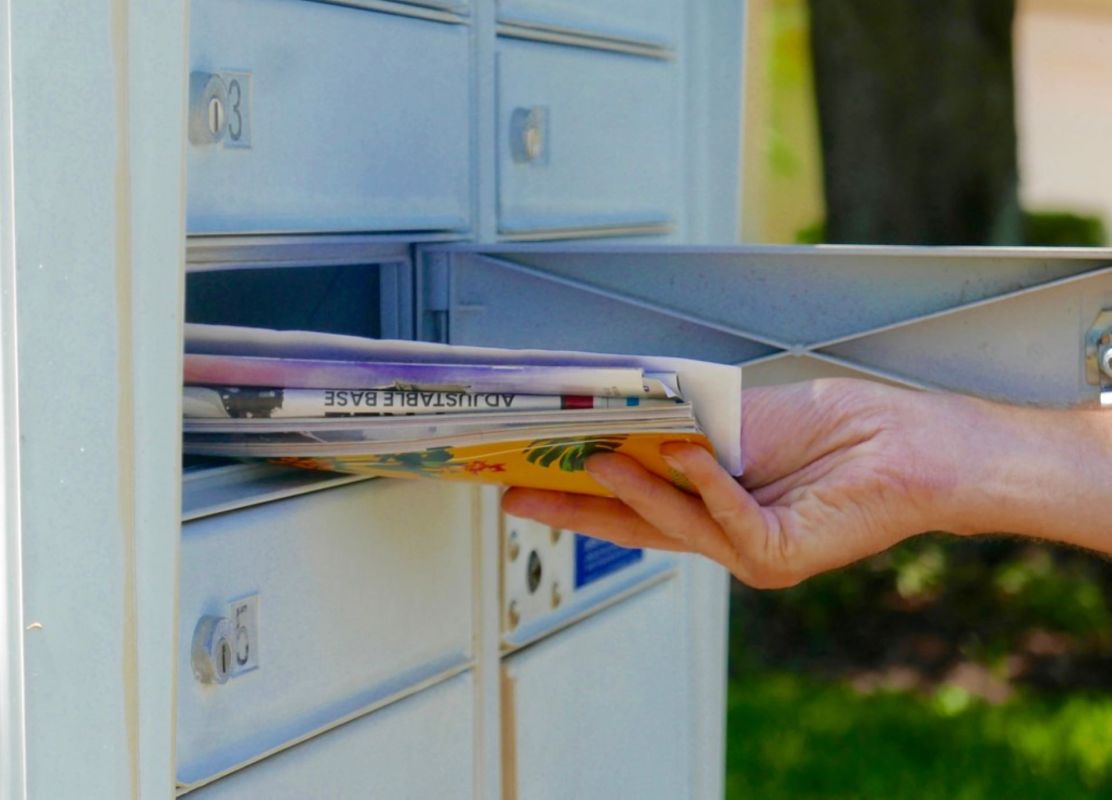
(1037,472)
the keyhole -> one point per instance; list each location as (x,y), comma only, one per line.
(533,572)
(225,657)
(215,116)
(532,141)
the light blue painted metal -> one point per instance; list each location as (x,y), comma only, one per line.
(427,9)
(359,122)
(484,122)
(711,60)
(12,724)
(611,146)
(578,603)
(420,747)
(246,252)
(803,297)
(653,22)
(209,490)
(1006,323)
(492,305)
(610,745)
(1027,348)
(96,91)
(363,591)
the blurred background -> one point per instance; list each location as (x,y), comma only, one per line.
(943,668)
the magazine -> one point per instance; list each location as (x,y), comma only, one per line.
(419,410)
(236,402)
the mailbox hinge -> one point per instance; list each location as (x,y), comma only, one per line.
(435,297)
(1098,355)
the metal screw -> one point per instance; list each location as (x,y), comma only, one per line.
(556,598)
(513,545)
(556,535)
(513,614)
(1106,361)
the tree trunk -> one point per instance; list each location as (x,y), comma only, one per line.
(917,118)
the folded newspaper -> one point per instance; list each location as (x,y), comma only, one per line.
(413,409)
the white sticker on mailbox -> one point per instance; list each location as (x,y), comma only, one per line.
(244,615)
(238,131)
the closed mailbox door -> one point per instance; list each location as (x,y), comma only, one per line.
(335,602)
(335,119)
(587,141)
(420,747)
(599,710)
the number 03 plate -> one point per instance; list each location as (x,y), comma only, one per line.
(238,131)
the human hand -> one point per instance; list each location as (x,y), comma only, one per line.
(837,470)
(826,483)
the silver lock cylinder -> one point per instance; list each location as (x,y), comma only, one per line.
(529,135)
(213,652)
(208,108)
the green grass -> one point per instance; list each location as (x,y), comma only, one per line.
(796,737)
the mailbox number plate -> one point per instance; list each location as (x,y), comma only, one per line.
(244,616)
(238,114)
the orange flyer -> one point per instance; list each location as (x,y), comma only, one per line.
(555,463)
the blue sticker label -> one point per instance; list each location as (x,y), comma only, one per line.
(595,558)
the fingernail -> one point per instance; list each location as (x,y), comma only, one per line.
(672,463)
(601,480)
(598,473)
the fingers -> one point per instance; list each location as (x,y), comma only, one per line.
(754,534)
(725,523)
(727,503)
(675,513)
(601,517)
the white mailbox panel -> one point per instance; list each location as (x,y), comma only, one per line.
(600,710)
(357,120)
(353,595)
(586,139)
(553,577)
(420,747)
(652,22)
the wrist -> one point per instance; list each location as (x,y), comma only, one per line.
(1009,469)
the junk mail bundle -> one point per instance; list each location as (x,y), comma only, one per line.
(413,409)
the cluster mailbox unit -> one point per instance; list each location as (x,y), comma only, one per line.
(406,170)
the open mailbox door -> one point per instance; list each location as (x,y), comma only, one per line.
(1021,325)
(1007,323)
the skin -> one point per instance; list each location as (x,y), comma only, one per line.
(838,470)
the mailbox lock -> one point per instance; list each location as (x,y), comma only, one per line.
(213,651)
(529,134)
(208,103)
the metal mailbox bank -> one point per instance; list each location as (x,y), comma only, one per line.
(408,170)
